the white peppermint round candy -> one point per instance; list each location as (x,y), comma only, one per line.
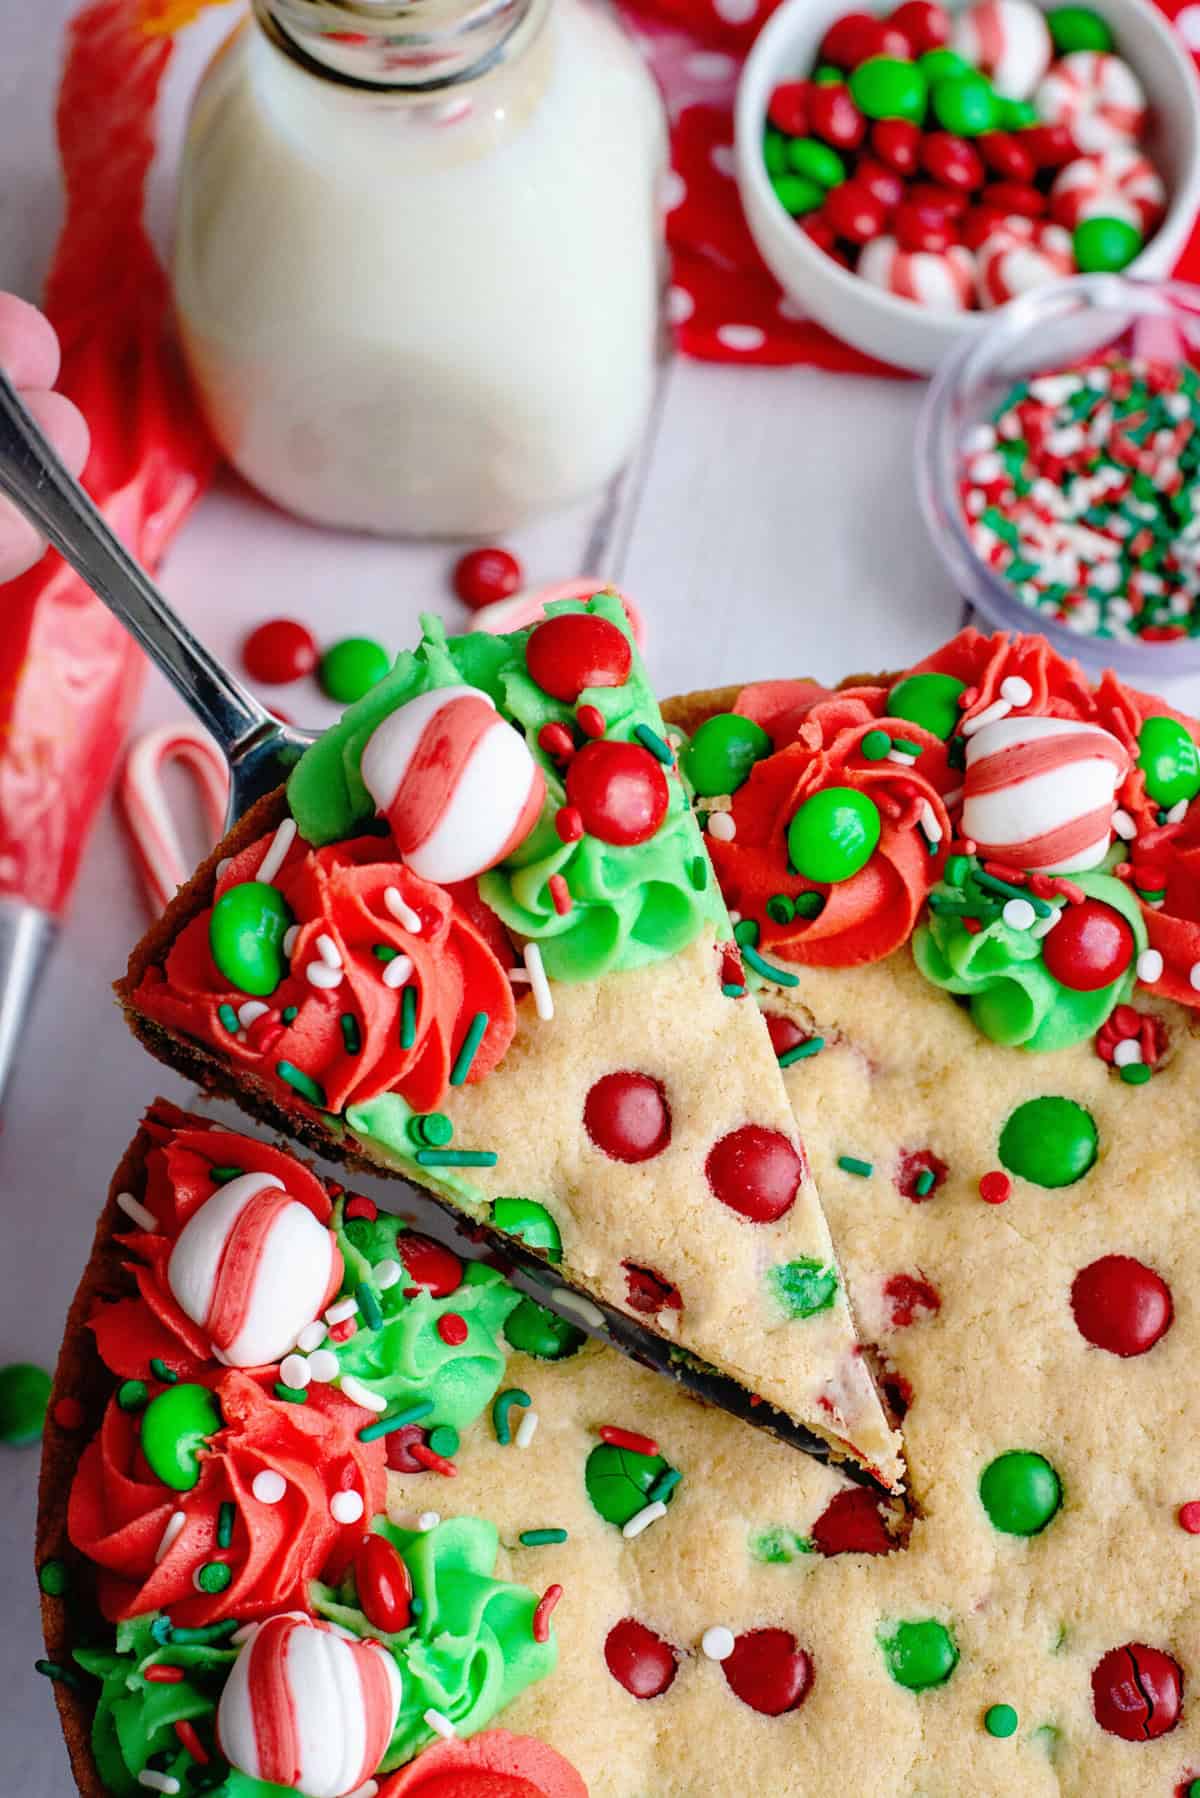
(457,784)
(1097,96)
(1118,183)
(1018,255)
(942,281)
(253,1268)
(1039,792)
(1009,41)
(308,1709)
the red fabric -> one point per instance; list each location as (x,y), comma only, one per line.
(69,673)
(725,304)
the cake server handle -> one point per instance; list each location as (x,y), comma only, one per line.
(258,748)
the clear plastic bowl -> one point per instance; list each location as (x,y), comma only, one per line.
(1046,331)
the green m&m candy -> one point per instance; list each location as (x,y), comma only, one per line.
(1000,1720)
(1078,28)
(930,700)
(175,1427)
(351,667)
(1020,1492)
(833,834)
(803,1287)
(1105,245)
(721,754)
(542,1333)
(618,1481)
(24,1395)
(808,156)
(1049,1141)
(1170,761)
(943,65)
(965,105)
(246,932)
(797,194)
(531,1222)
(919,1654)
(775,152)
(884,87)
(1016,115)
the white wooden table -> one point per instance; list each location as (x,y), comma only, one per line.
(768,528)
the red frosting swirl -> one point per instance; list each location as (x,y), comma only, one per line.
(338,892)
(118,1510)
(179,1180)
(494,1764)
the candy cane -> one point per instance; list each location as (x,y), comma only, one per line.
(143,802)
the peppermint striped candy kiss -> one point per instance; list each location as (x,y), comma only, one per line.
(307,1708)
(253,1267)
(456,782)
(1039,793)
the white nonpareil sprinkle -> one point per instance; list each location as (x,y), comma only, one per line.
(323,1366)
(643,1519)
(1194,976)
(717,1642)
(311,1336)
(133,1208)
(401,911)
(721,826)
(543,999)
(1016,689)
(999,708)
(589,1315)
(1124,825)
(294,1371)
(429,1520)
(898,755)
(358,1394)
(269,1486)
(319,973)
(289,939)
(328,950)
(273,860)
(175,1523)
(929,823)
(441,1725)
(526,1429)
(397,972)
(346,1507)
(387,1273)
(155,1781)
(338,1312)
(1127,1051)
(1018,914)
(1149,966)
(250,1012)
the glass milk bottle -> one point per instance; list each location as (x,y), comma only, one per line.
(417,262)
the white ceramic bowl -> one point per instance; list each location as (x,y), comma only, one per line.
(896,330)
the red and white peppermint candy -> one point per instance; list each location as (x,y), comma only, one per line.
(1009,41)
(943,281)
(1039,792)
(457,783)
(1018,255)
(307,1708)
(1097,96)
(1120,183)
(253,1267)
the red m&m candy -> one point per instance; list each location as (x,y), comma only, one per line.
(1007,155)
(278,651)
(787,108)
(921,225)
(756,1172)
(1051,146)
(1019,197)
(855,212)
(884,183)
(1137,1692)
(952,161)
(619,790)
(638,1659)
(1121,1305)
(384,1585)
(897,142)
(429,1265)
(769,1671)
(851,1524)
(979,224)
(574,651)
(925,25)
(627,1116)
(851,39)
(483,576)
(833,117)
(1089,947)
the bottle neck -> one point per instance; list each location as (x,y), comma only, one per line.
(418,46)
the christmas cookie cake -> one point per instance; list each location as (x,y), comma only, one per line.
(477,942)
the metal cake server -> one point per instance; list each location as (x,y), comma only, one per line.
(261,752)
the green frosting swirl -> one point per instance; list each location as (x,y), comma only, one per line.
(405,1359)
(1015,1000)
(471,1650)
(631,905)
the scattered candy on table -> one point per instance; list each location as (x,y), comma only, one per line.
(483,576)
(1080,493)
(926,153)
